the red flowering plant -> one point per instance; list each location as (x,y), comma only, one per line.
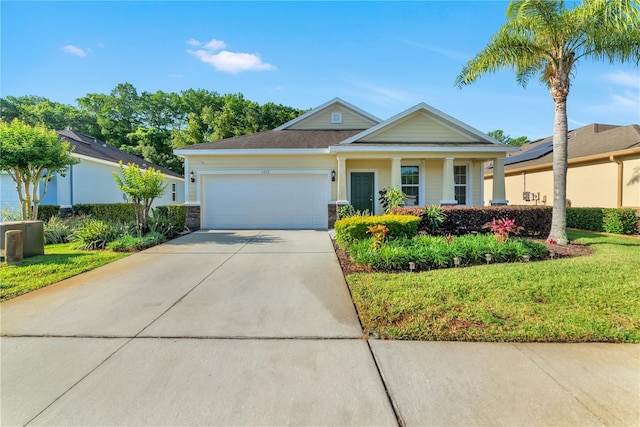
(502,228)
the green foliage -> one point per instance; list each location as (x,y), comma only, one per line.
(502,228)
(391,198)
(57,230)
(507,139)
(116,212)
(430,252)
(460,220)
(10,214)
(351,229)
(345,211)
(48,211)
(619,221)
(585,218)
(169,220)
(142,187)
(129,243)
(30,155)
(96,234)
(432,219)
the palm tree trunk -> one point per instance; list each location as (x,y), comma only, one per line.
(560,141)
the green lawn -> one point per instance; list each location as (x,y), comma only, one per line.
(59,262)
(589,298)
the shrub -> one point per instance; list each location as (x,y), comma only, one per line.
(346,211)
(502,228)
(97,234)
(169,220)
(355,228)
(378,235)
(117,212)
(129,243)
(585,218)
(620,221)
(390,198)
(460,220)
(430,252)
(432,218)
(57,230)
(48,211)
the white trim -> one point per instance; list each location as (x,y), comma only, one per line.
(446,148)
(324,106)
(481,176)
(434,113)
(253,151)
(420,165)
(376,210)
(469,184)
(117,165)
(499,202)
(187,181)
(450,202)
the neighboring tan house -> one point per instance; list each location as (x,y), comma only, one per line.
(297,174)
(604,169)
(91,180)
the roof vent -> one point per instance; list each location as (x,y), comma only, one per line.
(336,117)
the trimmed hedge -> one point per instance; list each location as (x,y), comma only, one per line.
(460,220)
(113,212)
(354,228)
(45,212)
(609,220)
(174,218)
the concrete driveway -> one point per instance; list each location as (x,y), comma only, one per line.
(258,328)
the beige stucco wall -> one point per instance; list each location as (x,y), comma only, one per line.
(322,120)
(416,128)
(588,185)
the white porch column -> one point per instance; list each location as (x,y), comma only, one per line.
(448,193)
(396,174)
(498,183)
(342,181)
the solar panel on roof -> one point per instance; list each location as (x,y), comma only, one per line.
(535,153)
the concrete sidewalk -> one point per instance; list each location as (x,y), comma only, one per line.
(258,328)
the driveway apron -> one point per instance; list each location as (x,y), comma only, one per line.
(214,328)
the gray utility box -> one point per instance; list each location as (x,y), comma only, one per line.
(33,235)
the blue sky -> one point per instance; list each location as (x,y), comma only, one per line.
(384,57)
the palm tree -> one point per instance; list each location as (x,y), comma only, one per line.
(543,38)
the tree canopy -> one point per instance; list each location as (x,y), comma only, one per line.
(30,154)
(507,139)
(151,124)
(544,38)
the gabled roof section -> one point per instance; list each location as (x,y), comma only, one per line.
(336,114)
(422,124)
(88,146)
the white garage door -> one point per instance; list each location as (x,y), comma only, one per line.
(265,201)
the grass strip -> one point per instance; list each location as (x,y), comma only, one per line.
(59,262)
(584,299)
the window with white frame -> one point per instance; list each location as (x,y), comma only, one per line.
(411,184)
(460,184)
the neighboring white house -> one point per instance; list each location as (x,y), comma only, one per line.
(91,180)
(296,175)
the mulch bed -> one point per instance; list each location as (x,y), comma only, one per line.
(570,250)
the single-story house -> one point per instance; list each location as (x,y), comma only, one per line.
(604,169)
(91,180)
(296,175)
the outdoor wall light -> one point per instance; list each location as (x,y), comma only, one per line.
(488,257)
(333,175)
(192,176)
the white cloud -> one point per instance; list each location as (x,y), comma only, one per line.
(621,78)
(193,42)
(624,95)
(448,53)
(383,95)
(226,61)
(74,50)
(215,45)
(101,45)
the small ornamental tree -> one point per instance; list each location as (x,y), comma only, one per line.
(142,187)
(30,155)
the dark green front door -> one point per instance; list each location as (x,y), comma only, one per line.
(362,196)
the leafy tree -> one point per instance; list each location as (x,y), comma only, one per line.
(543,38)
(507,139)
(30,155)
(142,187)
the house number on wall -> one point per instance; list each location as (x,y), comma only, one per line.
(265,172)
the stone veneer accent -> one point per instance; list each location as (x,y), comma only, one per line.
(193,217)
(332,211)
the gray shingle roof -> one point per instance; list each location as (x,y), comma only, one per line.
(91,147)
(585,141)
(279,139)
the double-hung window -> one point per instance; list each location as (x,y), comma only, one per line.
(411,185)
(460,184)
